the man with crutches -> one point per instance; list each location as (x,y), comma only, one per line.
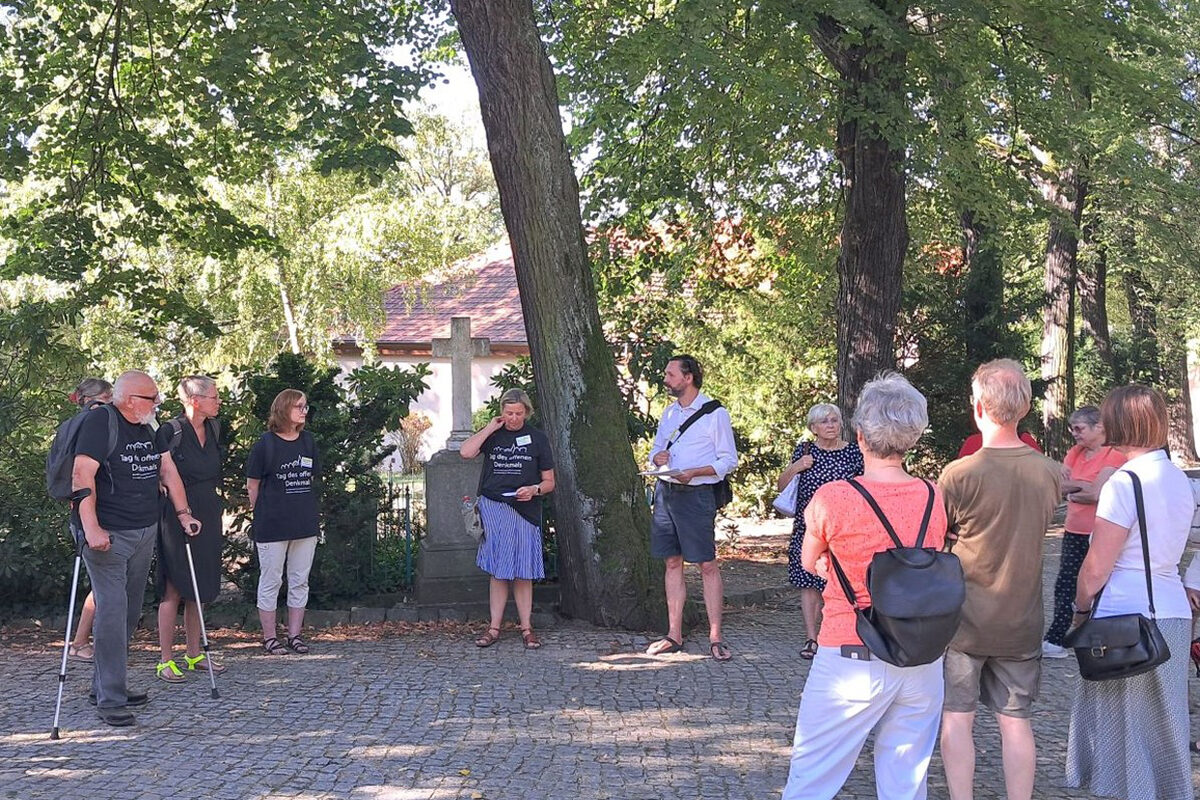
(119,517)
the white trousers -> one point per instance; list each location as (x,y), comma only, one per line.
(298,554)
(843,701)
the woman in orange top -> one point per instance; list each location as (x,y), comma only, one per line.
(1085,469)
(849,692)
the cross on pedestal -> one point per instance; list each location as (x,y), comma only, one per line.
(460,348)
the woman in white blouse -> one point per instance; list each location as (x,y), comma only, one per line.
(1129,738)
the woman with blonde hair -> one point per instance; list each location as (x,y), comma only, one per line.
(829,458)
(282,476)
(518,469)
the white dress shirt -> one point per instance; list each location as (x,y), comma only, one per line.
(708,442)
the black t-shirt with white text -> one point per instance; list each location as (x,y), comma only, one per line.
(512,459)
(287,506)
(127,493)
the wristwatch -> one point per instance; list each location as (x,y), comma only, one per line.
(1079,610)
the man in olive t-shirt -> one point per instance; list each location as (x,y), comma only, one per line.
(999,502)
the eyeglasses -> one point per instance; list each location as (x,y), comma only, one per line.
(302,408)
(206,396)
(153,398)
(1078,428)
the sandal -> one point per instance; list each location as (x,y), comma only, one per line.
(809,650)
(489,638)
(298,645)
(198,663)
(168,671)
(720,651)
(274,647)
(530,638)
(669,646)
(84,652)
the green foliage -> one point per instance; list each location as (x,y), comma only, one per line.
(348,422)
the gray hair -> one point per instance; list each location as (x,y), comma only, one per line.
(514,396)
(91,388)
(193,385)
(1003,390)
(891,415)
(1088,415)
(822,410)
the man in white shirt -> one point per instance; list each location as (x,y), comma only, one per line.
(685,508)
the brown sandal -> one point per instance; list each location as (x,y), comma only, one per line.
(530,638)
(488,639)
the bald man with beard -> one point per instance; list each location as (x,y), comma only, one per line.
(120,520)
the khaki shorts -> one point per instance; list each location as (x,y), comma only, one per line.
(1007,686)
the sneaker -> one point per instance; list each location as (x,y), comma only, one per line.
(1054,651)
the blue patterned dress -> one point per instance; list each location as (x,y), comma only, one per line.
(827,466)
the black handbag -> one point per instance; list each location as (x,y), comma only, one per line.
(1111,648)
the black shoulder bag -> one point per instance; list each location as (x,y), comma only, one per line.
(722,490)
(1111,648)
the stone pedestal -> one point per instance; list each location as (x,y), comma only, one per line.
(446,571)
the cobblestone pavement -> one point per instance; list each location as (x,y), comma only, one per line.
(430,716)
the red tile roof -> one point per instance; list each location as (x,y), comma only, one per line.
(483,287)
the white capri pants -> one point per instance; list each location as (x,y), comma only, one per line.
(843,701)
(298,553)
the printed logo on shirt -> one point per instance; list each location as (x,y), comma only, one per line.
(511,460)
(142,460)
(296,476)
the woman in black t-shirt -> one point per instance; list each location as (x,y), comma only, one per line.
(281,477)
(518,468)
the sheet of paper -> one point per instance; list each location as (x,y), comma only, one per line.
(662,472)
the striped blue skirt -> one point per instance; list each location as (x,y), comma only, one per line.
(511,546)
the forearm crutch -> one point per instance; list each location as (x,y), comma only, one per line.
(76,526)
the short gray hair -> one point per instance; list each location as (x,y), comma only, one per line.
(822,410)
(193,385)
(891,415)
(514,396)
(1087,415)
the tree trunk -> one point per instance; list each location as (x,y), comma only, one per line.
(605,568)
(1145,364)
(1093,296)
(1181,438)
(983,290)
(1066,195)
(870,147)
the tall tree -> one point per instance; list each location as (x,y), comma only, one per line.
(869,59)
(599,500)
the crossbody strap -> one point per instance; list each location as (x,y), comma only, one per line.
(1141,512)
(707,408)
(887,526)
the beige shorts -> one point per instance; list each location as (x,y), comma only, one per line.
(1007,686)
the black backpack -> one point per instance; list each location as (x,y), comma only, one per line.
(175,425)
(60,461)
(917,595)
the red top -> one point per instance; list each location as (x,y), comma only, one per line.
(839,517)
(974,442)
(1081,517)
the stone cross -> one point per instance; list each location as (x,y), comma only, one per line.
(460,348)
